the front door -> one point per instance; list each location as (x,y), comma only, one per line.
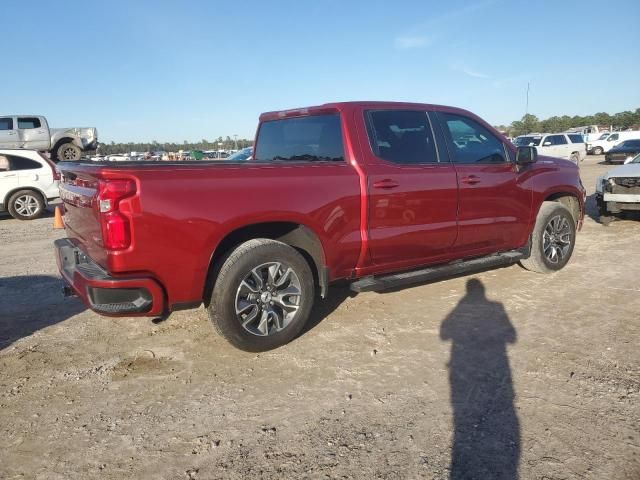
(412,194)
(33,134)
(8,133)
(558,146)
(494,208)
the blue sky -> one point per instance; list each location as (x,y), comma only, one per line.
(186,70)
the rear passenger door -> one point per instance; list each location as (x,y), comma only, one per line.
(8,133)
(33,134)
(412,190)
(493,207)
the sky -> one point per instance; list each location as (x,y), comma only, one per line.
(186,70)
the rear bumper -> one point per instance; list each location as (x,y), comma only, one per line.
(104,294)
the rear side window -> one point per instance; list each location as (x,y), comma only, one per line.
(576,138)
(472,142)
(21,163)
(28,122)
(554,140)
(313,138)
(401,136)
(6,123)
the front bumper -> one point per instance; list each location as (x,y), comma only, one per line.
(616,203)
(89,144)
(103,293)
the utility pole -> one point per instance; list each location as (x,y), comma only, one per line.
(235,141)
(526,112)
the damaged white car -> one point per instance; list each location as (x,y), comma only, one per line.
(618,190)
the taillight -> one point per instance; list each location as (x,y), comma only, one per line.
(116,227)
(54,168)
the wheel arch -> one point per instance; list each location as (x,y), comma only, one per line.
(62,141)
(296,235)
(25,187)
(569,200)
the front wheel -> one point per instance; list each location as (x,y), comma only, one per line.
(262,296)
(597,151)
(552,240)
(68,151)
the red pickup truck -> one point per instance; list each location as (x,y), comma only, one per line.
(381,194)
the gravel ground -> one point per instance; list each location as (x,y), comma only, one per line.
(502,374)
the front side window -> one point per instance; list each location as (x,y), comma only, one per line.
(613,137)
(401,136)
(576,138)
(28,122)
(299,139)
(472,142)
(6,123)
(4,163)
(21,163)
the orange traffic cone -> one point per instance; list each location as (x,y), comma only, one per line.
(57,219)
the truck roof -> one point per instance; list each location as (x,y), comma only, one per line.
(335,107)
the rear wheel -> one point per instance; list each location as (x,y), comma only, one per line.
(263,295)
(26,205)
(68,151)
(597,151)
(552,240)
(575,158)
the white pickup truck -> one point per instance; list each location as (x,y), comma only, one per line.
(32,132)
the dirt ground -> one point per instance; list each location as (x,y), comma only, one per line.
(502,374)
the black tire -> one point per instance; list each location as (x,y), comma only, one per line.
(542,255)
(228,293)
(25,205)
(68,151)
(597,151)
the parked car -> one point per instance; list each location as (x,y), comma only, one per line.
(33,132)
(240,155)
(380,194)
(623,152)
(562,145)
(28,181)
(619,190)
(613,139)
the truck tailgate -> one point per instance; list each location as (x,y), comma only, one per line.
(78,191)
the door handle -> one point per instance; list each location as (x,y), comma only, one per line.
(386,184)
(11,133)
(470,180)
(11,176)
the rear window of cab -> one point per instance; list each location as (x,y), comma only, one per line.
(315,138)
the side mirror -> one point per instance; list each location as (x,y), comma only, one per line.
(526,155)
(546,144)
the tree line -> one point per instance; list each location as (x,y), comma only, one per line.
(219,143)
(530,123)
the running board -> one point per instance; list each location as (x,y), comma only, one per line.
(396,280)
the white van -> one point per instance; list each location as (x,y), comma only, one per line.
(601,146)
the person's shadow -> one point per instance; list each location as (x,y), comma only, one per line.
(486,442)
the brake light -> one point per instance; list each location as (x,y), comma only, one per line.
(116,226)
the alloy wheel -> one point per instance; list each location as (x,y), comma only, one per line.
(26,205)
(268,298)
(556,239)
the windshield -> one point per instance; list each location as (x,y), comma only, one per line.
(240,155)
(525,141)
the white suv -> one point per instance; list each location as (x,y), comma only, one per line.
(27,182)
(570,146)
